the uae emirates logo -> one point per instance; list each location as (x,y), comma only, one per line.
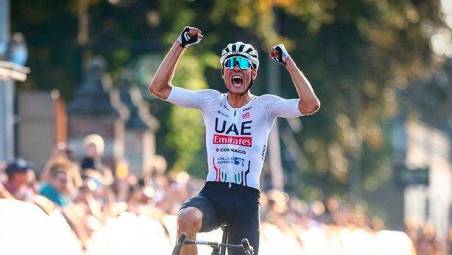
(246,141)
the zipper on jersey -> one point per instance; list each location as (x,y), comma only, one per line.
(234,120)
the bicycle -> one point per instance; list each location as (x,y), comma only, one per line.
(217,248)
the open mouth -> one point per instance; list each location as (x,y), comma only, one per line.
(237,80)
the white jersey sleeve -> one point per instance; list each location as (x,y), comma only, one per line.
(276,106)
(191,98)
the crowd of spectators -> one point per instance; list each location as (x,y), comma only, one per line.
(425,238)
(292,214)
(88,193)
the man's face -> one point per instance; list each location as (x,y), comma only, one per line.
(238,80)
(92,151)
(19,185)
(60,181)
(20,179)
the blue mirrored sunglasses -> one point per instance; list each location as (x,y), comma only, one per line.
(242,62)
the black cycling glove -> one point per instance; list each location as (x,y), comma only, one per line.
(279,53)
(189,36)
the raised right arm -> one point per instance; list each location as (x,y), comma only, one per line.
(160,85)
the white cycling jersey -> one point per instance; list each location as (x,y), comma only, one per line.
(236,138)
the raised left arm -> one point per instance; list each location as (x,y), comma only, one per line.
(309,103)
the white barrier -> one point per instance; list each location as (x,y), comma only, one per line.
(326,240)
(394,243)
(130,234)
(273,241)
(26,230)
(318,240)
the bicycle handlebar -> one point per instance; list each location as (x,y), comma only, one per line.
(182,240)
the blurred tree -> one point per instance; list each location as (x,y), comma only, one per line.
(49,28)
(354,53)
(186,136)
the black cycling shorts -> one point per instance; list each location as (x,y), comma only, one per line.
(236,205)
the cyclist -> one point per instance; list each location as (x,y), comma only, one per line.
(237,128)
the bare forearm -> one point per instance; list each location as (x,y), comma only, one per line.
(309,102)
(161,83)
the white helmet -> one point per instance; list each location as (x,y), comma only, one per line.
(240,49)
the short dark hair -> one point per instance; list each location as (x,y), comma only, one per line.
(17,166)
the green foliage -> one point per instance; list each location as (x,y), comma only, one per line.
(353,52)
(185,136)
(49,28)
(353,59)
